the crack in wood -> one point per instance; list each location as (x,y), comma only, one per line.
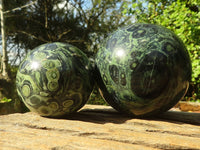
(158,146)
(142,124)
(44,128)
(173,133)
(87,134)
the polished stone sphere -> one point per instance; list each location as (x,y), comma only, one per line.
(143,69)
(54,79)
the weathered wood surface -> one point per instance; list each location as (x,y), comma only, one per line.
(100,128)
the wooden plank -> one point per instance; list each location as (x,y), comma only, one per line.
(100,127)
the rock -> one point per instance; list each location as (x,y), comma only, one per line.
(100,128)
(189,106)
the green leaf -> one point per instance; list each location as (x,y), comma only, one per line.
(96,2)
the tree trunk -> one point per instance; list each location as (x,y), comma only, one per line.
(4,47)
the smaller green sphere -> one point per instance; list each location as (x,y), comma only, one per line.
(54,79)
(143,69)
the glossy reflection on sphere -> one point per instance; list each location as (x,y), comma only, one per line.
(54,79)
(143,69)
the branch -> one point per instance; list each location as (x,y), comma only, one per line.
(81,11)
(33,36)
(62,34)
(74,41)
(18,8)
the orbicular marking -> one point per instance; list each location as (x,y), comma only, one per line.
(52,85)
(53,74)
(68,103)
(49,64)
(133,65)
(153,46)
(34,100)
(168,47)
(44,111)
(153,30)
(139,33)
(44,94)
(26,90)
(114,73)
(123,78)
(73,101)
(54,106)
(135,55)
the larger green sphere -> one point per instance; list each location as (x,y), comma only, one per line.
(143,69)
(54,79)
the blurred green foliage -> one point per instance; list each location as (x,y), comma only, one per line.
(180,16)
(5,100)
(96,98)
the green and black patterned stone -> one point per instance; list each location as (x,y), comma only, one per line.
(143,69)
(54,79)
